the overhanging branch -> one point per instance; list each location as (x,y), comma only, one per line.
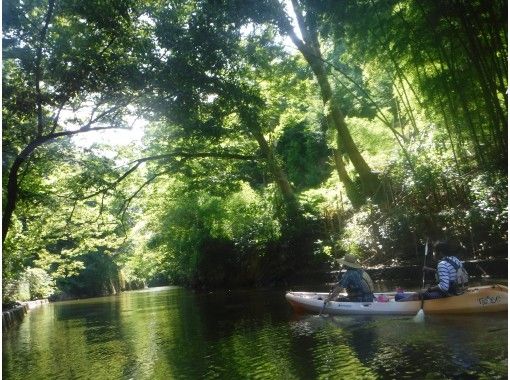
(181,154)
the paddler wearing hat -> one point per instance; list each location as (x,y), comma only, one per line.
(356,282)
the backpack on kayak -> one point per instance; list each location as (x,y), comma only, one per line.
(462,277)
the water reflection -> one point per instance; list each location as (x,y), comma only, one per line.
(172,333)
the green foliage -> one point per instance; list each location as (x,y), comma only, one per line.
(33,284)
(374,139)
(427,50)
(433,202)
(99,277)
(51,229)
(249,221)
(237,184)
(41,285)
(65,69)
(198,238)
(305,155)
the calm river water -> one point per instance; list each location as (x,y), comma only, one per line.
(173,333)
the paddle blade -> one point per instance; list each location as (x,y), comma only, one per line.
(322,310)
(419,317)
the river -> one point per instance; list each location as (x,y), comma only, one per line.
(174,333)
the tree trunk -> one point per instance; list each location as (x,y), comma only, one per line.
(21,158)
(309,47)
(13,187)
(278,174)
(350,187)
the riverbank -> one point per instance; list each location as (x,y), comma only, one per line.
(16,314)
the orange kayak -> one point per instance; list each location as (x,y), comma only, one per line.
(481,299)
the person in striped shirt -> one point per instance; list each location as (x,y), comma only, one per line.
(446,273)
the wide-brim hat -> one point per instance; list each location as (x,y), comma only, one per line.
(350,261)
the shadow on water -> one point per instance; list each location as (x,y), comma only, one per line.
(172,333)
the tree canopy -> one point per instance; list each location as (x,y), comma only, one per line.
(279,135)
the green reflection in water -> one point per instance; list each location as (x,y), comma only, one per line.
(260,353)
(55,343)
(335,358)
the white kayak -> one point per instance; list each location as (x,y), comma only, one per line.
(480,299)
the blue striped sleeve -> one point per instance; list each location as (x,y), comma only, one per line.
(443,271)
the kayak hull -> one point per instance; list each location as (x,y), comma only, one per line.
(481,299)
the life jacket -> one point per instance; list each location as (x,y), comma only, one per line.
(461,282)
(362,290)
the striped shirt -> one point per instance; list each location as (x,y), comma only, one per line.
(447,273)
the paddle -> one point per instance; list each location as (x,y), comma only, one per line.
(326,300)
(420,315)
(484,272)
